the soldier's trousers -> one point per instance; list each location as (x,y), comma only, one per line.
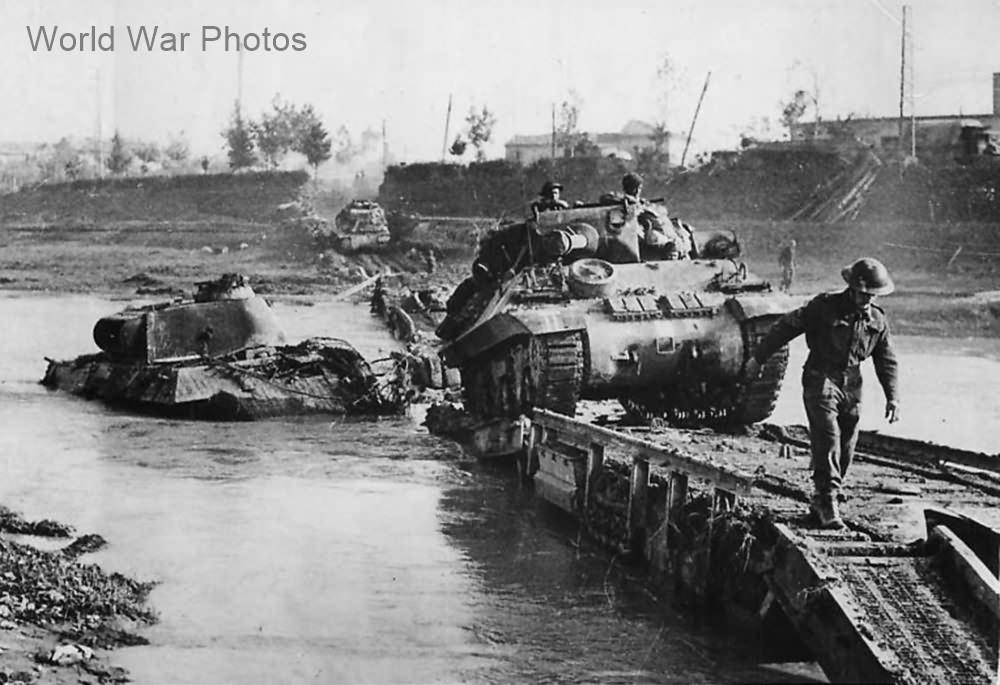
(832,404)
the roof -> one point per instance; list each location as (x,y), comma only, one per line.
(638,128)
(923,117)
(632,129)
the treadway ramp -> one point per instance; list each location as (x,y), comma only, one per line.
(875,612)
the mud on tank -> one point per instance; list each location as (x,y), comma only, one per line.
(571,305)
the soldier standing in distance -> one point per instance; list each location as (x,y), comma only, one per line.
(786,260)
(842,330)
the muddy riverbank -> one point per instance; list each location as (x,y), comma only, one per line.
(934,296)
(60,617)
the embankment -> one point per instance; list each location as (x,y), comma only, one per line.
(163,235)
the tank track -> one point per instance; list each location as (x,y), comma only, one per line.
(541,371)
(724,407)
(757,400)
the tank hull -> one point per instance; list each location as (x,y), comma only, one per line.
(571,305)
(318,376)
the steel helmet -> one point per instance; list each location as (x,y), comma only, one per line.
(868,276)
(549,186)
(631,182)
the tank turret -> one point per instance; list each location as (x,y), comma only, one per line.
(224,316)
(578,303)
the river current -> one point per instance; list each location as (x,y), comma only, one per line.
(347,551)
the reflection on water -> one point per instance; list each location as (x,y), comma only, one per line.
(337,552)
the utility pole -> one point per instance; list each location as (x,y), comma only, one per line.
(100,145)
(385,147)
(553,130)
(902,80)
(695,119)
(913,97)
(239,84)
(447,124)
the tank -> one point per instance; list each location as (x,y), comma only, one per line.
(221,355)
(571,305)
(361,224)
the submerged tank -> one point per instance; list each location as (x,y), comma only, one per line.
(220,356)
(362,223)
(570,304)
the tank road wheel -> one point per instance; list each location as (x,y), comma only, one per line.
(756,400)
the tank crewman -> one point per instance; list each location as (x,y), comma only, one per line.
(658,231)
(842,330)
(786,260)
(549,197)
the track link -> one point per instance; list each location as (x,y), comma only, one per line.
(541,371)
(757,399)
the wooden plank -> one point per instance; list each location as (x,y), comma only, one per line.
(637,494)
(595,465)
(583,434)
(676,499)
(969,569)
(569,469)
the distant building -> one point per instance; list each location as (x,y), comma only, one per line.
(961,134)
(635,135)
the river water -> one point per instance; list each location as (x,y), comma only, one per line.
(292,551)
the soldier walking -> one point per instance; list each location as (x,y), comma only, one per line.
(786,260)
(842,330)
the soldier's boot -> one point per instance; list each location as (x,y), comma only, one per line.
(827,511)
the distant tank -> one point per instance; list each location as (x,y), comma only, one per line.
(220,356)
(569,305)
(361,224)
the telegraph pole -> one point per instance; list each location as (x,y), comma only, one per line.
(100,146)
(385,147)
(695,119)
(447,124)
(553,130)
(902,80)
(913,97)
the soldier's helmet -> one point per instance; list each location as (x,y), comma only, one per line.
(631,182)
(548,187)
(868,275)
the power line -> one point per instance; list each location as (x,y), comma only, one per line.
(886,12)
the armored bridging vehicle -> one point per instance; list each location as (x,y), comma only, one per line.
(571,304)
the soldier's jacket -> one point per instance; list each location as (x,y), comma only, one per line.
(839,338)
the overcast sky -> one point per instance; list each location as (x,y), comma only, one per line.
(366,61)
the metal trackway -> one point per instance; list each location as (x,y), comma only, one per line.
(884,612)
(868,611)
